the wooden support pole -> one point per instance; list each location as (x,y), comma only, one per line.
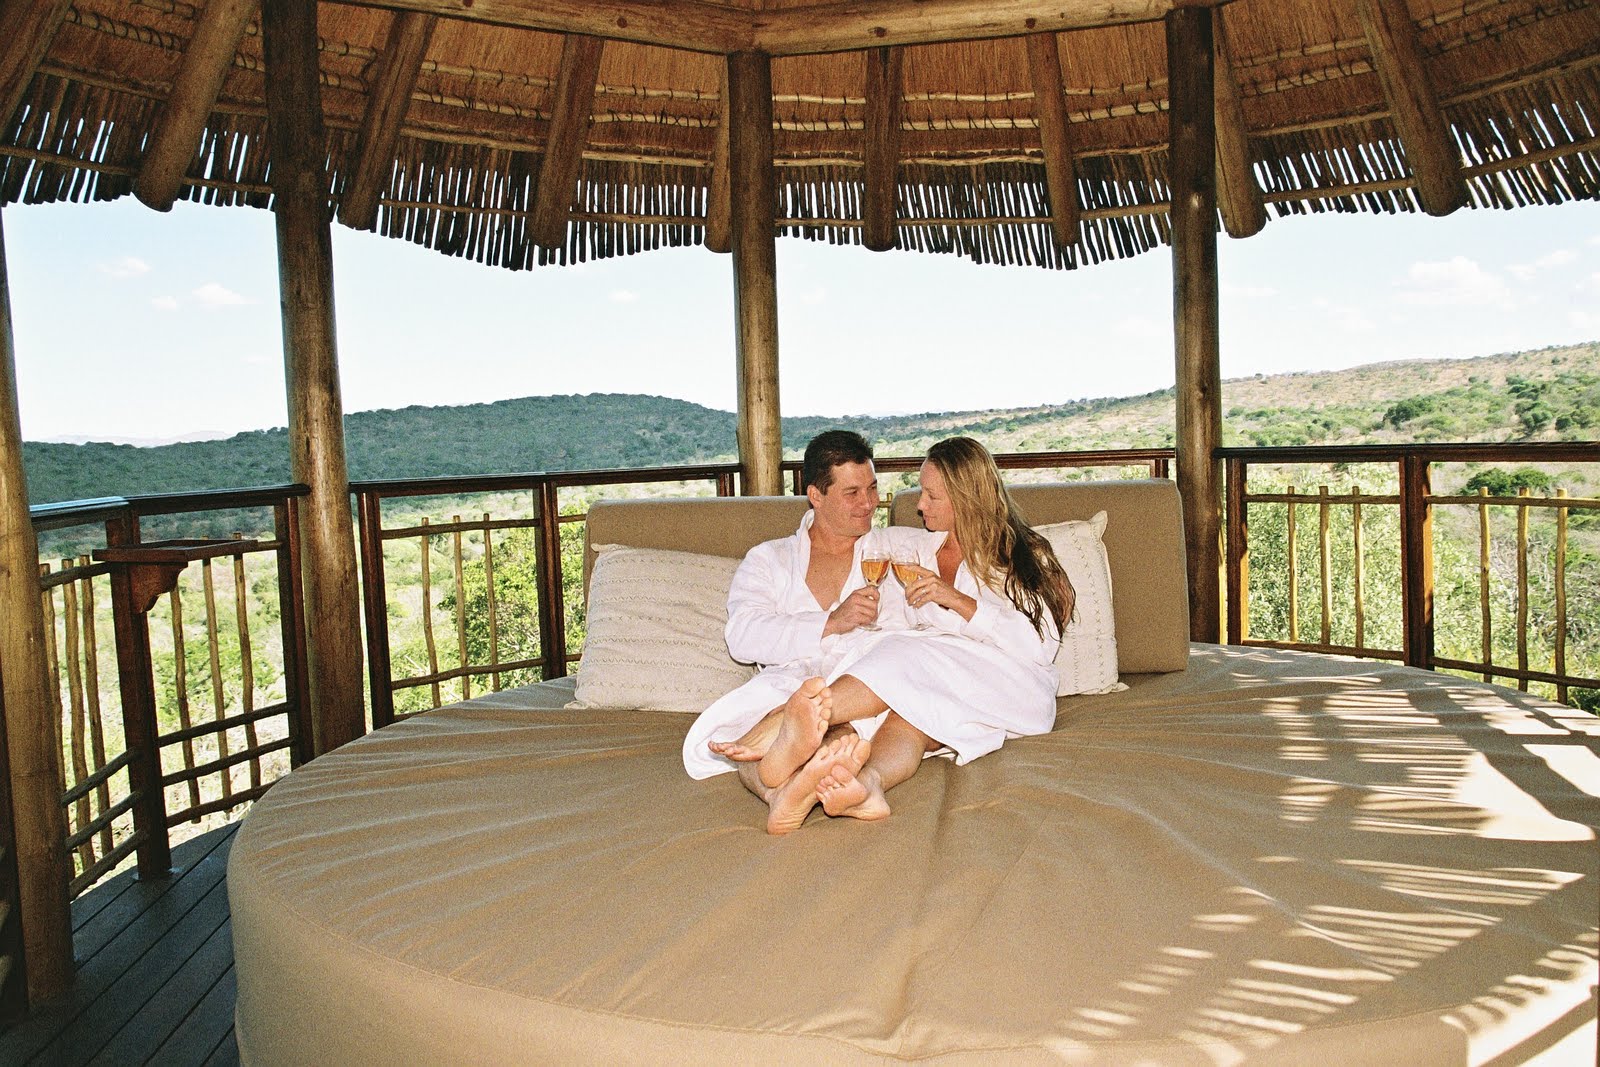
(882,149)
(372,158)
(1050,109)
(218,29)
(30,26)
(1416,559)
(1238,551)
(1419,122)
(569,132)
(1244,212)
(755,272)
(719,194)
(38,819)
(316,418)
(1192,167)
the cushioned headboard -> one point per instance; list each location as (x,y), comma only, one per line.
(1144,543)
(714,526)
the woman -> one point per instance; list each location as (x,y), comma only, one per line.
(989,601)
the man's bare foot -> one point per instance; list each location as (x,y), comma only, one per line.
(803,721)
(790,803)
(755,742)
(845,790)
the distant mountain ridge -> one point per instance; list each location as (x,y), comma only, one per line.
(1551,393)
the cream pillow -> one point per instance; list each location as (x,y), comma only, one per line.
(655,631)
(1087,661)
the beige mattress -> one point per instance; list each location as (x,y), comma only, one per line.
(1270,858)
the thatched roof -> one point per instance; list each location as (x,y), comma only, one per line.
(1309,106)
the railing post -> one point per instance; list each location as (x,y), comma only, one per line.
(137,682)
(374,600)
(552,605)
(1416,558)
(1238,551)
(292,622)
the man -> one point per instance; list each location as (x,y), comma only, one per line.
(795,606)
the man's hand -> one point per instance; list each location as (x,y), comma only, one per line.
(857,609)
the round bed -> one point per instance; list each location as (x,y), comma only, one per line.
(1246,857)
(1268,858)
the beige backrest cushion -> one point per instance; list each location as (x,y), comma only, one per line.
(713,526)
(1144,543)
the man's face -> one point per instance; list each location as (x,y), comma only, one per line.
(846,509)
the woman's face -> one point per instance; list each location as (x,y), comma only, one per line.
(934,506)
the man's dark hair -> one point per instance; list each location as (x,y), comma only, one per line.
(826,451)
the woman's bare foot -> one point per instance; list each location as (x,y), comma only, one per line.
(845,790)
(790,803)
(803,721)
(755,742)
(847,754)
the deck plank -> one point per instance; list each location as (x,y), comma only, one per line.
(208,1025)
(168,950)
(131,991)
(126,897)
(226,1054)
(158,1018)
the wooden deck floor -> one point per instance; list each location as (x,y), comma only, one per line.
(155,977)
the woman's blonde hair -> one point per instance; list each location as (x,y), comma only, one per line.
(999,547)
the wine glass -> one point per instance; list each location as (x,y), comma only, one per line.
(874,569)
(906,571)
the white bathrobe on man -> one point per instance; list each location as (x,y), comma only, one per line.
(969,684)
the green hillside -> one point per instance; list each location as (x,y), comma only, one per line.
(1551,394)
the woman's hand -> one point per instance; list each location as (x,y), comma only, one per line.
(928,588)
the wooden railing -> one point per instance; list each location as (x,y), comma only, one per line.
(1404,515)
(154,753)
(555,529)
(476,620)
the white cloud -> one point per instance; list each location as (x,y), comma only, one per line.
(1587,321)
(623,296)
(1348,317)
(1458,281)
(1591,284)
(218,295)
(126,267)
(814,296)
(1526,272)
(165,303)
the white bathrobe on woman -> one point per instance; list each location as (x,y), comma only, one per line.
(968,684)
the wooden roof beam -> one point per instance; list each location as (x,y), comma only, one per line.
(30,27)
(1413,106)
(846,25)
(1244,212)
(840,26)
(367,173)
(218,29)
(686,24)
(1050,109)
(719,194)
(569,132)
(885,92)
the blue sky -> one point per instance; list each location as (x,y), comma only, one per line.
(131,323)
